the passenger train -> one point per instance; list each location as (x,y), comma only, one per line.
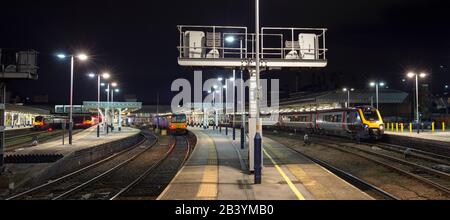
(175,123)
(56,122)
(363,122)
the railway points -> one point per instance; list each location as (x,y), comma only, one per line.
(216,171)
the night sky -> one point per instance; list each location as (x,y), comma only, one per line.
(136,40)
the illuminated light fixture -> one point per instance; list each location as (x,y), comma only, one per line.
(411,75)
(92,75)
(106,75)
(209,92)
(220,79)
(423,75)
(82,56)
(215,86)
(102,84)
(61,56)
(117,90)
(114,84)
(373,84)
(231,79)
(382,84)
(230,39)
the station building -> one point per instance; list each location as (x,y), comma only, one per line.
(393,104)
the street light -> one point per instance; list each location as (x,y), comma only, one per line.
(377,85)
(81,57)
(416,76)
(348,95)
(99,84)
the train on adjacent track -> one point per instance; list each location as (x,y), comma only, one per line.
(57,122)
(362,122)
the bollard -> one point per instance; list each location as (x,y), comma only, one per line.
(410,128)
(226,130)
(98,130)
(220,128)
(443,126)
(387,126)
(396,127)
(234,133)
(402,127)
(242,137)
(392,127)
(258,151)
(432,126)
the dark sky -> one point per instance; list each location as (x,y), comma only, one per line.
(136,40)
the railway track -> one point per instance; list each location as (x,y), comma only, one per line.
(58,188)
(427,175)
(365,186)
(140,172)
(153,181)
(417,166)
(24,140)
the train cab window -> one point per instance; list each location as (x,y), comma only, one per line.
(370,114)
(178,118)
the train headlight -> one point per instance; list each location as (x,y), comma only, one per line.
(382,127)
(366,127)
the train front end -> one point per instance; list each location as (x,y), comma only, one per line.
(178,124)
(372,122)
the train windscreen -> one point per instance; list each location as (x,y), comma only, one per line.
(178,118)
(371,114)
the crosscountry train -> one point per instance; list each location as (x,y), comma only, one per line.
(363,122)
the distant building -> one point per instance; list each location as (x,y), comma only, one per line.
(393,104)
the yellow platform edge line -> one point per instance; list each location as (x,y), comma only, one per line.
(286,178)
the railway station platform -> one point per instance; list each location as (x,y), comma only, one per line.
(426,135)
(217,170)
(86,149)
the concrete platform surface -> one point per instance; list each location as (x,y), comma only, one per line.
(217,170)
(427,135)
(82,140)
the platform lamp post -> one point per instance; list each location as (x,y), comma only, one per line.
(81,57)
(258,163)
(114,89)
(348,95)
(99,76)
(234,104)
(416,76)
(377,85)
(231,39)
(220,79)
